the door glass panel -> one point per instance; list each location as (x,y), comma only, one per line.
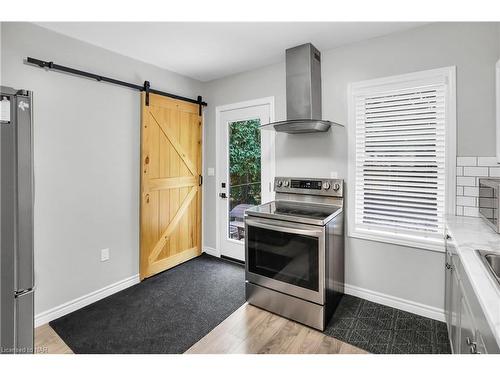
(244,173)
(287,257)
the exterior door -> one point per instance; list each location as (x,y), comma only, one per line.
(246,167)
(171,135)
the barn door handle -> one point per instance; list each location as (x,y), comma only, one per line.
(200,180)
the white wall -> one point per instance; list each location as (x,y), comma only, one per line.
(400,272)
(87,146)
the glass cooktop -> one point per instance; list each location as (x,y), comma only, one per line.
(311,213)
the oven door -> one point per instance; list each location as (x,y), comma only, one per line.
(286,257)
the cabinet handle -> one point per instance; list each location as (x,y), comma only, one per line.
(472,346)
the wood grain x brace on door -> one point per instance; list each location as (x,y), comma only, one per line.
(171,132)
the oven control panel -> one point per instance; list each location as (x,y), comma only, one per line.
(313,186)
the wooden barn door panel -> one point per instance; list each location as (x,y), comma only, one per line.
(170,193)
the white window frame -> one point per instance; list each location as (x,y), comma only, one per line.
(421,242)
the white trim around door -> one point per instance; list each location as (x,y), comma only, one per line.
(268,168)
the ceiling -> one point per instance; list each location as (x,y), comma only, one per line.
(209,50)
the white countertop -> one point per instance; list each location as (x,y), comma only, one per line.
(468,234)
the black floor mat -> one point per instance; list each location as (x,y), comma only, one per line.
(166,313)
(171,311)
(385,330)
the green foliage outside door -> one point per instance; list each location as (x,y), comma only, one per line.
(244,163)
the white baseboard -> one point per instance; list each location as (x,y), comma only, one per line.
(68,307)
(396,302)
(211,251)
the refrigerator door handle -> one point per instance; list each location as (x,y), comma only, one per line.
(24,174)
(20,293)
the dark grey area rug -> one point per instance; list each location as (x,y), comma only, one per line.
(166,313)
(171,311)
(384,330)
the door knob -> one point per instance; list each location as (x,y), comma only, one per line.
(223,195)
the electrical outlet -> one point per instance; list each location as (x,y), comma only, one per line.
(104,255)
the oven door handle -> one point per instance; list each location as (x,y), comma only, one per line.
(281,228)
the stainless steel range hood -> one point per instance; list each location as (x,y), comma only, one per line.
(303,92)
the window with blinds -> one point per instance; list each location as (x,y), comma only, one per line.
(399,168)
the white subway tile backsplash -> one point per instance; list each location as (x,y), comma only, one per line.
(494,171)
(466,181)
(471,211)
(469,170)
(487,161)
(467,201)
(476,171)
(466,161)
(470,191)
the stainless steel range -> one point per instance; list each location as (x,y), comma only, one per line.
(294,250)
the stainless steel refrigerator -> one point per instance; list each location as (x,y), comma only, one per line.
(17,198)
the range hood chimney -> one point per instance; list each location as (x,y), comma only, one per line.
(303,92)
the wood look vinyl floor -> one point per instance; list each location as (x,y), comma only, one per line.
(249,330)
(47,341)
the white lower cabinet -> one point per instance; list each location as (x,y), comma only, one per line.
(468,330)
(452,304)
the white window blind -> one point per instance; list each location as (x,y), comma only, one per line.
(400,158)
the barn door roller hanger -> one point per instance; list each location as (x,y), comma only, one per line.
(146,87)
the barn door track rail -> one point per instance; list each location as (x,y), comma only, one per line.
(146,87)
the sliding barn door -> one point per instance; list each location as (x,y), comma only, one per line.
(171,132)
